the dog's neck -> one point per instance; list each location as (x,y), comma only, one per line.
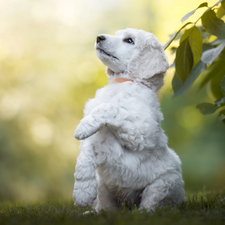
(154,83)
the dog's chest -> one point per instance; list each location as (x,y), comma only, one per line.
(124,95)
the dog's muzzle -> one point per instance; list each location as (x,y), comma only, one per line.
(100,38)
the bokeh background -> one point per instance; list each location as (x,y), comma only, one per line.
(48,70)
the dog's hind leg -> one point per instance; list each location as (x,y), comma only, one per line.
(163,192)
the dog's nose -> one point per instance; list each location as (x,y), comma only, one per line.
(100,38)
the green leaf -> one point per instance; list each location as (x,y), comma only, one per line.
(176,84)
(210,55)
(213,24)
(185,17)
(207,108)
(223,4)
(180,88)
(175,35)
(173,50)
(195,41)
(222,84)
(222,112)
(206,46)
(184,60)
(216,81)
(221,12)
(220,102)
(216,69)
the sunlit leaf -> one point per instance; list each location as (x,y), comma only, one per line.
(174,36)
(195,41)
(207,108)
(210,55)
(179,87)
(213,24)
(222,84)
(185,17)
(216,69)
(184,60)
(221,12)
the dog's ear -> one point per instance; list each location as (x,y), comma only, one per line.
(109,72)
(149,60)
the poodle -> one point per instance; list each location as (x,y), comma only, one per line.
(124,157)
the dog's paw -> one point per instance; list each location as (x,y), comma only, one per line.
(85,129)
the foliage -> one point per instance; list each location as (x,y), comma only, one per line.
(201,51)
(207,208)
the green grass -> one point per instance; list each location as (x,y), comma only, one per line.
(201,208)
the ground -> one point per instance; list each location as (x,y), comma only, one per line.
(200,208)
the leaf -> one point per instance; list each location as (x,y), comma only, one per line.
(173,49)
(213,24)
(221,12)
(218,2)
(207,108)
(210,55)
(174,36)
(222,84)
(180,88)
(172,65)
(205,34)
(223,4)
(217,41)
(184,60)
(206,46)
(185,17)
(220,102)
(195,41)
(176,84)
(222,112)
(216,81)
(217,68)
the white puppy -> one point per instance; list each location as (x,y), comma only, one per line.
(124,157)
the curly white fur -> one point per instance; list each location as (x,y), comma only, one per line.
(124,155)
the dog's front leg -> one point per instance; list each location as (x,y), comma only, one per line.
(102,115)
(85,187)
(132,132)
(105,199)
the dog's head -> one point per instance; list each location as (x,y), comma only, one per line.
(134,51)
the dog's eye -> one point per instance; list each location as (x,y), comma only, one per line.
(129,41)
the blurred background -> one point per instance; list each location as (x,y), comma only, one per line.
(48,70)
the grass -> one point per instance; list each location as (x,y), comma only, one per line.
(200,208)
